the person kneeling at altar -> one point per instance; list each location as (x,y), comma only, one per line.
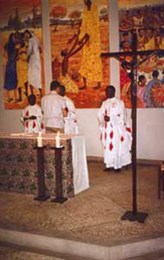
(32,116)
(70,121)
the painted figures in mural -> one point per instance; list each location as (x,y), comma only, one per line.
(20,34)
(91,64)
(23,67)
(88,41)
(66,54)
(147,22)
(10,72)
(78,65)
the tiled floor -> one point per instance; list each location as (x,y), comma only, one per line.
(93,216)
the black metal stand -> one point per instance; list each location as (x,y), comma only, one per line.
(160,179)
(134,215)
(138,216)
(58,167)
(41,178)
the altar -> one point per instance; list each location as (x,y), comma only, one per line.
(18,163)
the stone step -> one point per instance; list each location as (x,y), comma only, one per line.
(80,249)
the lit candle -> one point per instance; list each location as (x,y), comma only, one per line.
(58,139)
(39,140)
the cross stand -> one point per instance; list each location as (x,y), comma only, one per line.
(134,215)
(58,172)
(160,179)
(41,178)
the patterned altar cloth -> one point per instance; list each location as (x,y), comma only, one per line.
(18,163)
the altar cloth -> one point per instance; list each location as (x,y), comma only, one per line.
(18,163)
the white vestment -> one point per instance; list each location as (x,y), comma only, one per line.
(32,125)
(52,106)
(34,69)
(70,122)
(115,135)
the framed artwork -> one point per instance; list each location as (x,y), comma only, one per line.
(78,37)
(145,19)
(22,48)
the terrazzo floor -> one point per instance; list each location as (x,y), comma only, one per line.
(92,216)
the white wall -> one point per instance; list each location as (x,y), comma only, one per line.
(150,132)
(150,122)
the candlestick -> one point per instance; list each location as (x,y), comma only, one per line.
(39,140)
(58,140)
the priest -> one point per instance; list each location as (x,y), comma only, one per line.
(115,134)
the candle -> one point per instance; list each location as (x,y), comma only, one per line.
(39,140)
(58,139)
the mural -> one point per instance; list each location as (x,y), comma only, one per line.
(145,19)
(21,44)
(79,33)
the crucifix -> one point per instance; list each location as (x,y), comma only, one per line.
(134,214)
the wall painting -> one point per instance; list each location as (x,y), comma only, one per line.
(78,38)
(22,49)
(145,19)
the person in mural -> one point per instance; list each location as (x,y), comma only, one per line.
(22,66)
(159,38)
(70,121)
(66,54)
(125,37)
(125,46)
(32,116)
(10,81)
(151,17)
(115,135)
(141,39)
(138,19)
(34,66)
(150,40)
(91,63)
(141,87)
(126,22)
(151,84)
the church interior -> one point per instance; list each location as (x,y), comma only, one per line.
(90,212)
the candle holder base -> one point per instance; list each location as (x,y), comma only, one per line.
(43,198)
(59,200)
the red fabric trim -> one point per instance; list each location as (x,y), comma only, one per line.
(122,138)
(111,134)
(110,146)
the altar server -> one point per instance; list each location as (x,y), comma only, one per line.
(32,116)
(70,121)
(115,135)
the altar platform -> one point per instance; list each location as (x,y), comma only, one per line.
(92,218)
